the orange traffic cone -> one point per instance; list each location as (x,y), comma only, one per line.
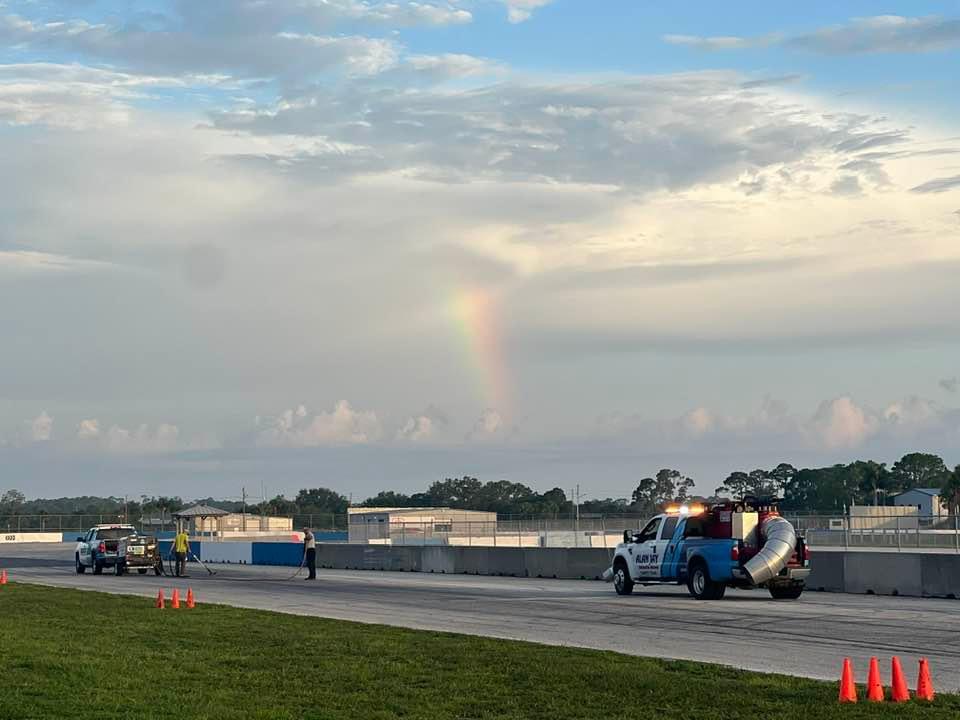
(3,578)
(190,603)
(874,686)
(160,600)
(175,600)
(848,690)
(924,682)
(898,691)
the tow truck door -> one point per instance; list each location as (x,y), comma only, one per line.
(673,549)
(85,547)
(648,553)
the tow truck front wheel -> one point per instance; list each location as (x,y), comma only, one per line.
(621,579)
(786,592)
(81,568)
(701,586)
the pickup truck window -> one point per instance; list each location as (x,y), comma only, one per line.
(114,533)
(694,527)
(669,526)
(650,531)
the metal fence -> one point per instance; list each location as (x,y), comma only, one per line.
(904,532)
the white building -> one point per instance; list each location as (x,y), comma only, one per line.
(926,500)
(409,526)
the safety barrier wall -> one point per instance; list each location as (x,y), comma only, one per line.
(52,537)
(895,573)
(240,553)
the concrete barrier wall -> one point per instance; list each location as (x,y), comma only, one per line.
(227,552)
(44,537)
(881,573)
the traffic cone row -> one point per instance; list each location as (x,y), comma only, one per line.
(898,688)
(3,577)
(175,600)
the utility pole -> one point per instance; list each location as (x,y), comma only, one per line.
(243,495)
(578,507)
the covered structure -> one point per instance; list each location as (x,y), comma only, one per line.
(196,519)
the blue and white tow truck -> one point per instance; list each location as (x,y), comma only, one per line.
(742,544)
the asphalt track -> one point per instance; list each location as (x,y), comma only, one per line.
(807,637)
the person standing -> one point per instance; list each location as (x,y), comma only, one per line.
(181,546)
(310,553)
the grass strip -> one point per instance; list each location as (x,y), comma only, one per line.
(74,654)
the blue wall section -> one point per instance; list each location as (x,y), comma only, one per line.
(195,545)
(275,553)
(331,537)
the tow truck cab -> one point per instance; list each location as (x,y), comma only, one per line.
(707,549)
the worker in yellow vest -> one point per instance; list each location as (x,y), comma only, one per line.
(181,547)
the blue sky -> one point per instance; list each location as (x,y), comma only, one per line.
(538,240)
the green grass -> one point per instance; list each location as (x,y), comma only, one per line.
(71,654)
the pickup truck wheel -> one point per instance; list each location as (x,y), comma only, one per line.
(700,586)
(81,568)
(786,592)
(621,579)
(141,571)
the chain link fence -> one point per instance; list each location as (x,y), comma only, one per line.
(893,532)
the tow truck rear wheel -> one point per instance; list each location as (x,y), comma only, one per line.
(700,586)
(786,592)
(621,579)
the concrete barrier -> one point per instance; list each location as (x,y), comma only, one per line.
(240,553)
(37,537)
(917,574)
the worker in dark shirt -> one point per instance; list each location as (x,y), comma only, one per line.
(310,553)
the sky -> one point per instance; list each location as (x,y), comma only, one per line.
(366,244)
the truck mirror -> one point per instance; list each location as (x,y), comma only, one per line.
(79,539)
(626,536)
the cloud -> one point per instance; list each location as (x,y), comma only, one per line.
(878,34)
(491,427)
(88,429)
(259,53)
(299,428)
(33,261)
(41,427)
(641,133)
(142,440)
(938,185)
(519,11)
(427,426)
(950,384)
(722,42)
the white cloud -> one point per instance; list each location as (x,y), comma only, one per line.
(41,427)
(841,423)
(142,440)
(88,429)
(877,34)
(299,428)
(519,11)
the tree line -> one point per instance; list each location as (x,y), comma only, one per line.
(821,490)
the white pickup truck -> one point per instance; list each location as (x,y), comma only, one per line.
(98,548)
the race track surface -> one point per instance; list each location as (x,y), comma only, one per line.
(747,629)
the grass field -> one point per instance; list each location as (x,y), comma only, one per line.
(72,654)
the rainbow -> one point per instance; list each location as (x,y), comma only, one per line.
(477,316)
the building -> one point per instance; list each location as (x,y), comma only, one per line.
(415,526)
(926,500)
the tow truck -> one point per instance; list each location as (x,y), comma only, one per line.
(97,549)
(741,544)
